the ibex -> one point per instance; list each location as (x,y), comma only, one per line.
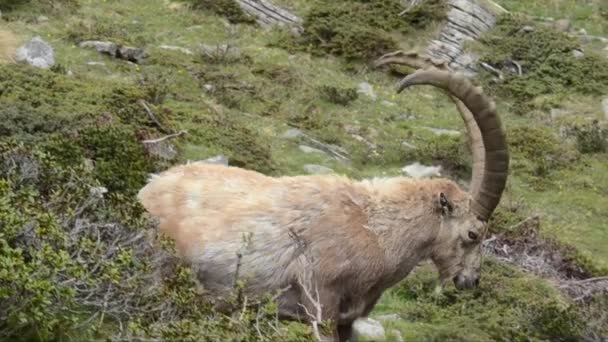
(327,245)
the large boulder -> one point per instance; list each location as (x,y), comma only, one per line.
(37,53)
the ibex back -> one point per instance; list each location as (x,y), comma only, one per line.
(330,245)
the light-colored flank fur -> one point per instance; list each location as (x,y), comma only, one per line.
(355,238)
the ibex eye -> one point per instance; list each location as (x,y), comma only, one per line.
(473,235)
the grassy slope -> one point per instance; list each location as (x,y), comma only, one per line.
(153,23)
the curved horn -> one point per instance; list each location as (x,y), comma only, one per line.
(413,60)
(496,164)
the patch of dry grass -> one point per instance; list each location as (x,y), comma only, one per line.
(8,46)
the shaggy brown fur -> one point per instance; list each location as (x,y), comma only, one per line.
(354,239)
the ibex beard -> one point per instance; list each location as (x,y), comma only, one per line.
(328,245)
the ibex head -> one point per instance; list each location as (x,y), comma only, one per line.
(464,221)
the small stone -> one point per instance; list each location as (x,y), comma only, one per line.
(308,149)
(37,53)
(98,191)
(315,169)
(162,149)
(209,87)
(177,48)
(292,133)
(388,103)
(527,29)
(42,19)
(369,329)
(578,53)
(562,25)
(221,160)
(367,90)
(417,170)
(96,63)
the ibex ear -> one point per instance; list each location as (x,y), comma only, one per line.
(444,203)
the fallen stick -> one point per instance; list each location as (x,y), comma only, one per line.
(170,136)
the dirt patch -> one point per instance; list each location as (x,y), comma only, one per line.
(8,46)
(548,259)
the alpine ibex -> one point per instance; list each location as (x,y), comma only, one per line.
(330,245)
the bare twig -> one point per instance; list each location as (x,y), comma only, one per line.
(492,70)
(151,115)
(170,136)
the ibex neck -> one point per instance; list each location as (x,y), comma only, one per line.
(406,226)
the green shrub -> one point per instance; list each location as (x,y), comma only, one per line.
(590,137)
(78,264)
(448,151)
(538,152)
(547,63)
(340,96)
(508,305)
(360,30)
(226,8)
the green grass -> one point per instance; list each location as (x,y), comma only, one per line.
(268,89)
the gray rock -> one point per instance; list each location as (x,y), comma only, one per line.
(209,87)
(98,191)
(443,131)
(220,159)
(308,149)
(417,170)
(292,133)
(107,48)
(315,169)
(177,48)
(605,108)
(42,19)
(578,53)
(132,54)
(562,25)
(367,90)
(163,149)
(369,329)
(37,53)
(527,29)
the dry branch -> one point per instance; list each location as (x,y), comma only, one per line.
(170,136)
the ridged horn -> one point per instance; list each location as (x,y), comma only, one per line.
(414,60)
(496,164)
